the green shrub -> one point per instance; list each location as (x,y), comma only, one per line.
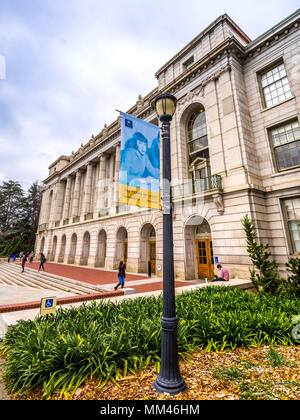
(293,281)
(264,274)
(106,341)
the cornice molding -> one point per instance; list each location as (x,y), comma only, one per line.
(225,49)
(272,37)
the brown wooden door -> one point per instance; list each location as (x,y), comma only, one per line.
(152,256)
(125,253)
(205,258)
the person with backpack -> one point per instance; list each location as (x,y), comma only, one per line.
(43,260)
(24,259)
(121,275)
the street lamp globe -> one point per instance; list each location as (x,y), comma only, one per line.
(165,106)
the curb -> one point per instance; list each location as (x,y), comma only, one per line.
(60,301)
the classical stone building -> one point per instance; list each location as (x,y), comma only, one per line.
(235,149)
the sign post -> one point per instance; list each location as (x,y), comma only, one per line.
(48,305)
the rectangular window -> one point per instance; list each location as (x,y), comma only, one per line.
(292,215)
(285,141)
(275,86)
(188,63)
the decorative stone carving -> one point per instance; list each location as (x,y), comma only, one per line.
(81,149)
(218,200)
(105,131)
(92,141)
(72,157)
(140,103)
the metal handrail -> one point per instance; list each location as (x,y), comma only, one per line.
(193,186)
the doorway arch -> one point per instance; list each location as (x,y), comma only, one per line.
(121,252)
(42,245)
(73,248)
(147,248)
(85,252)
(62,249)
(54,246)
(101,249)
(199,259)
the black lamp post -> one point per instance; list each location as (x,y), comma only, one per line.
(169,379)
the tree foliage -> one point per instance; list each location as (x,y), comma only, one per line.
(19,214)
(264,274)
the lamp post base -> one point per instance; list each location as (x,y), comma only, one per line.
(169,379)
(173,388)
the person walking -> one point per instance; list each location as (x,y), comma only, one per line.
(31,256)
(24,259)
(121,275)
(43,260)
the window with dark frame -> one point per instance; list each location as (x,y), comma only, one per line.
(275,85)
(197,136)
(188,63)
(285,141)
(291,208)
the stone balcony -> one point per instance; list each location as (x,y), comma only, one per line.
(198,186)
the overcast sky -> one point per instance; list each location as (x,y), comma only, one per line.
(70,63)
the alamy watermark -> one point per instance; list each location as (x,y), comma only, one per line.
(296,329)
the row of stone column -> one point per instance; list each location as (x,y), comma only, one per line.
(61,204)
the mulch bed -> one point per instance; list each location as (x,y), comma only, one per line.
(255,374)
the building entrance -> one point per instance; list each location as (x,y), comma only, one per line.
(152,256)
(125,252)
(199,258)
(205,258)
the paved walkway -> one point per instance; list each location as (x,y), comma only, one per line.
(108,279)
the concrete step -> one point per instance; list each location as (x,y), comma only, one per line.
(11,274)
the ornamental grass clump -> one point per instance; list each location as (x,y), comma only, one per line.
(107,341)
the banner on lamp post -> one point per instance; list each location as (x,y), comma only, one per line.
(140,163)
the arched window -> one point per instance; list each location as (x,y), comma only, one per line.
(198,151)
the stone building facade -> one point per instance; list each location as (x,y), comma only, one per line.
(235,149)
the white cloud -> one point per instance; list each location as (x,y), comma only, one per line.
(69,67)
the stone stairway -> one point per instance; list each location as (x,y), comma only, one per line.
(11,275)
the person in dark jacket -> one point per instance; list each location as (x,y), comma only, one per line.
(24,259)
(121,275)
(43,260)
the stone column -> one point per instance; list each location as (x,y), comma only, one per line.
(87,190)
(59,201)
(48,203)
(117,177)
(67,198)
(76,194)
(52,208)
(42,218)
(110,185)
(100,185)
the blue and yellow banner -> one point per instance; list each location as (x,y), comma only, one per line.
(140,163)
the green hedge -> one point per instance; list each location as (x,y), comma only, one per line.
(108,340)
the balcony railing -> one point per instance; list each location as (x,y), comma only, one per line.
(44,226)
(88,216)
(197,186)
(104,212)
